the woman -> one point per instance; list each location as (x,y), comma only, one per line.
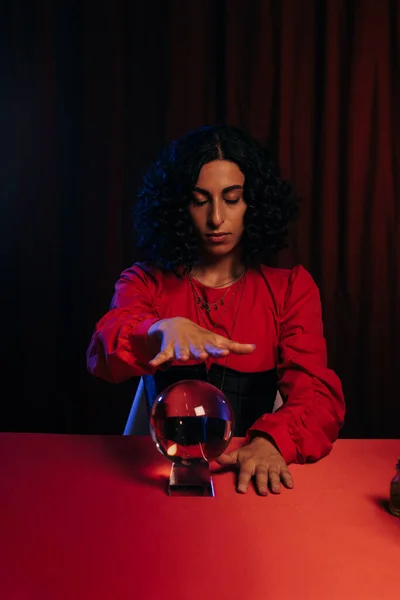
(211,213)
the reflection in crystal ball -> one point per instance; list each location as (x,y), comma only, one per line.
(191,421)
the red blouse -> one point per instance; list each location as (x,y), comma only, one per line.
(277,310)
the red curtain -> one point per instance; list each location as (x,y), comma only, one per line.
(322,78)
(96,93)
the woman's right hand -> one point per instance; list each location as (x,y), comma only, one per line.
(179,338)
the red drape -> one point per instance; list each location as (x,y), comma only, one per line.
(90,96)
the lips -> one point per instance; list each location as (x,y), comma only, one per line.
(217,237)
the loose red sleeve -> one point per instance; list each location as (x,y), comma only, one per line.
(309,421)
(118,348)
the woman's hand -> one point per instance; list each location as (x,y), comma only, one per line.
(261,460)
(181,339)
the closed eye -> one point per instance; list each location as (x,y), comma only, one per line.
(203,202)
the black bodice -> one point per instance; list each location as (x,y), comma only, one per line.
(250,394)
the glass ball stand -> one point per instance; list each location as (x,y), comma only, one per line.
(191,480)
(191,424)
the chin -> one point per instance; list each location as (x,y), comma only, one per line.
(221,249)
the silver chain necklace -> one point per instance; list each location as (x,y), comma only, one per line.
(221,285)
(204,305)
(217,324)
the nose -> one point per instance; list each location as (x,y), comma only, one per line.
(216,216)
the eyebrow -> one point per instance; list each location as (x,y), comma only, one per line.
(226,190)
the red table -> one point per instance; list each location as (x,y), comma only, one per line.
(88,518)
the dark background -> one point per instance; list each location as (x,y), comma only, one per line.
(89,94)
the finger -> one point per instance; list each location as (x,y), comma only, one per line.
(262,479)
(227,459)
(274,480)
(181,351)
(216,349)
(161,357)
(245,474)
(237,348)
(198,353)
(286,478)
(166,354)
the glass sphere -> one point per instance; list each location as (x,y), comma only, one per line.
(191,421)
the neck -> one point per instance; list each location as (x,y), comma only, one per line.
(217,271)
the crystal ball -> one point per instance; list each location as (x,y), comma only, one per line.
(191,421)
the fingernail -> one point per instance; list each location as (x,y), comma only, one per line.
(241,489)
(276,489)
(263,491)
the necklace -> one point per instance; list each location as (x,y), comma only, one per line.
(204,305)
(215,325)
(221,284)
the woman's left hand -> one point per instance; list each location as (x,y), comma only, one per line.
(259,459)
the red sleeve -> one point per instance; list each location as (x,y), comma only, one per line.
(118,348)
(309,421)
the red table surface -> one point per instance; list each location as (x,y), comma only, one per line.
(87,517)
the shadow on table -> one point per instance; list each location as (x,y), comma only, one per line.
(142,463)
(390,526)
(135,462)
(381,502)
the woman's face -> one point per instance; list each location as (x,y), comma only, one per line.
(217,207)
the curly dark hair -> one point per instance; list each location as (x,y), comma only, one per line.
(162,221)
